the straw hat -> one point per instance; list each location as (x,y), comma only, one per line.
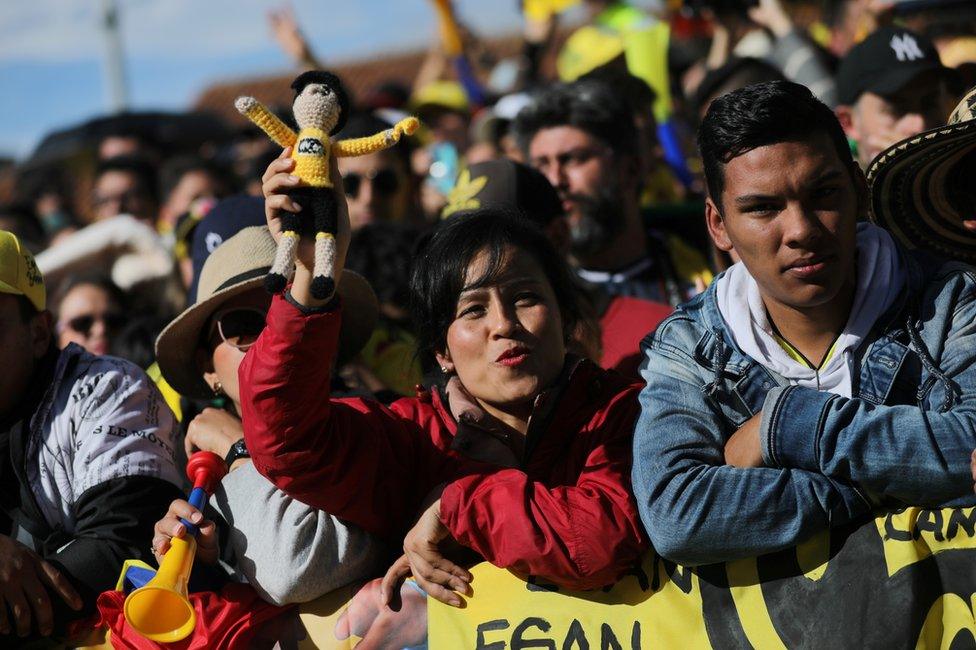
(235,267)
(922,188)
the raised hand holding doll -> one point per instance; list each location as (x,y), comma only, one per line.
(320,109)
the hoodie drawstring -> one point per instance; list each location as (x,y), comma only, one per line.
(720,365)
(935,374)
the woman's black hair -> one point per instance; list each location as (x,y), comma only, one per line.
(136,341)
(95,279)
(439,273)
(760,115)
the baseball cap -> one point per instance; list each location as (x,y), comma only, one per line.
(885,62)
(19,274)
(441,94)
(504,184)
(226,219)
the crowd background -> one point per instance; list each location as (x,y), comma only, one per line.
(116,282)
(122,212)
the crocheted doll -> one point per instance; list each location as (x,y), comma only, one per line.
(320,109)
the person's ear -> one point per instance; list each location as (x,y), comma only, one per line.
(444,361)
(716,226)
(845,115)
(41,330)
(212,380)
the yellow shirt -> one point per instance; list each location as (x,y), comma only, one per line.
(798,357)
(312,151)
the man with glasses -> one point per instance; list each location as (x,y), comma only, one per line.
(125,185)
(86,463)
(378,185)
(583,138)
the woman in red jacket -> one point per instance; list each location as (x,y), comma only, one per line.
(522,454)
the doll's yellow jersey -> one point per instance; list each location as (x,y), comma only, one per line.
(311,154)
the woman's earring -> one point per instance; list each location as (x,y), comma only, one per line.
(218,389)
(444,369)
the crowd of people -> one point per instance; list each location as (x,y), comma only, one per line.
(585,311)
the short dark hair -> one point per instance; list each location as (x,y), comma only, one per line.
(590,105)
(90,278)
(634,90)
(138,166)
(383,253)
(137,340)
(736,73)
(439,273)
(760,115)
(333,82)
(175,168)
(362,125)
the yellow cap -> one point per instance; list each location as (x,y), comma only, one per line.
(587,48)
(19,274)
(449,94)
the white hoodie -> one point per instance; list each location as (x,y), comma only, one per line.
(880,279)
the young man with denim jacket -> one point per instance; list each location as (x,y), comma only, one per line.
(828,373)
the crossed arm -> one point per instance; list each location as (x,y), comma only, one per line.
(698,510)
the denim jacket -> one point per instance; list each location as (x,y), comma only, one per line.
(905,437)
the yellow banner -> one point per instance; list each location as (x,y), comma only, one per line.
(651,608)
(914,534)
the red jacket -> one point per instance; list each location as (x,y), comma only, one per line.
(566,515)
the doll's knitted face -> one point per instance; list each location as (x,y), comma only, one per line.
(316,106)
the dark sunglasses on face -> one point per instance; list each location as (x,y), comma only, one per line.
(126,200)
(238,327)
(385,182)
(84,323)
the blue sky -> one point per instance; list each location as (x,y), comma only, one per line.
(51,51)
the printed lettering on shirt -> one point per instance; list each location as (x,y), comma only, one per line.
(121,432)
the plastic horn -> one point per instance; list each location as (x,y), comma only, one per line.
(161,611)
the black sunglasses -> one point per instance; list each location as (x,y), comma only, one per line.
(385,182)
(84,323)
(238,327)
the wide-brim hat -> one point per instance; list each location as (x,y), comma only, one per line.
(236,267)
(921,191)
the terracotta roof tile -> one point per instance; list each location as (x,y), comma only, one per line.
(359,76)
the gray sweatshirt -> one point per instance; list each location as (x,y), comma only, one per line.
(288,551)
